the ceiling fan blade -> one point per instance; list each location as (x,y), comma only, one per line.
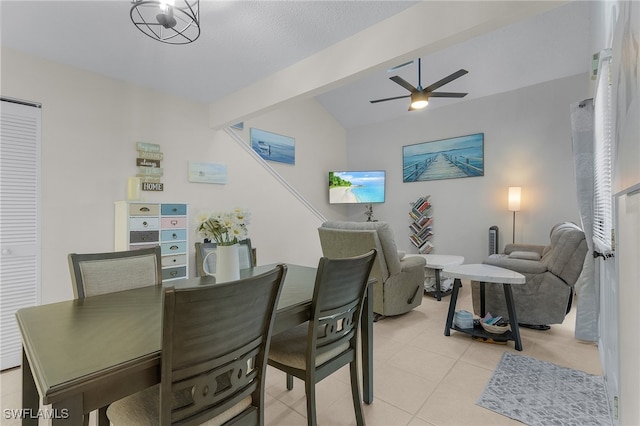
(446,80)
(447,95)
(390,99)
(404,83)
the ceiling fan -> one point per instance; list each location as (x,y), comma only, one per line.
(419,95)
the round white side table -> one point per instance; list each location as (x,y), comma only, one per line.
(437,262)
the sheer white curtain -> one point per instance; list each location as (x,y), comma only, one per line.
(587,286)
(592,133)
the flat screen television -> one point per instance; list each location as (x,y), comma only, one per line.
(356,187)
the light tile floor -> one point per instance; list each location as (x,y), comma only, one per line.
(421,377)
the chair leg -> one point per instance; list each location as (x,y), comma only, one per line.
(103,420)
(101,417)
(355,394)
(289,381)
(310,390)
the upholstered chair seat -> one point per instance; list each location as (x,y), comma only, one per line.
(138,408)
(290,348)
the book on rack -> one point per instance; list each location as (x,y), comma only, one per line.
(425,234)
(424,206)
(425,221)
(425,248)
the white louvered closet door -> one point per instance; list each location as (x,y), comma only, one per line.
(19,221)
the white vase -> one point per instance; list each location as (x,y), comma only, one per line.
(227,263)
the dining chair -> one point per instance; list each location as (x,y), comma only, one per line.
(314,350)
(246,254)
(215,342)
(93,274)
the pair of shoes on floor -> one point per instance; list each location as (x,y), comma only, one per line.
(539,327)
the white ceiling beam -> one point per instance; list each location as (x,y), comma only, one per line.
(424,28)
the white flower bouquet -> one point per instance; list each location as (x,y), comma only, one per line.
(224,229)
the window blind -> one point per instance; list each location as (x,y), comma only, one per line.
(603,134)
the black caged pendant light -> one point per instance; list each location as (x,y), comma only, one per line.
(168,21)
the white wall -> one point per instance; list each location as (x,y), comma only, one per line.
(625,33)
(527,143)
(89,129)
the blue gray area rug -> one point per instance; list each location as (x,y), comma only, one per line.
(540,393)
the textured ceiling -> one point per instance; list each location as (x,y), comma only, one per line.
(245,41)
(240,41)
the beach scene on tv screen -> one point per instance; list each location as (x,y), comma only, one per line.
(356,187)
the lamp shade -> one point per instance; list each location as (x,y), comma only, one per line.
(515,193)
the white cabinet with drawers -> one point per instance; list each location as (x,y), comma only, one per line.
(140,225)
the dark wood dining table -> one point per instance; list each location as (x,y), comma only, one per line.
(80,355)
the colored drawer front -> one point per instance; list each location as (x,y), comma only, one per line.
(142,246)
(179,259)
(174,222)
(143,223)
(173,248)
(140,209)
(174,235)
(174,209)
(173,273)
(143,236)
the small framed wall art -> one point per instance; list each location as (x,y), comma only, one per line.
(273,147)
(207,172)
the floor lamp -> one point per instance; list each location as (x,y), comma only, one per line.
(514,205)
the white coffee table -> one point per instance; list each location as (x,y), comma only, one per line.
(485,274)
(437,262)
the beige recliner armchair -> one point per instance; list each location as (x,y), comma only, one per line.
(399,280)
(551,272)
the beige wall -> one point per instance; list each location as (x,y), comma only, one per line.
(89,128)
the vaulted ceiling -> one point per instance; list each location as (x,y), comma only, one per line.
(244,44)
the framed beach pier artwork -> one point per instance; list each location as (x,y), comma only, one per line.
(273,147)
(452,158)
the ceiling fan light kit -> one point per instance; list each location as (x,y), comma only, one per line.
(168,21)
(419,100)
(419,96)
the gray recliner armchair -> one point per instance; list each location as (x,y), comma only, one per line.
(551,272)
(399,280)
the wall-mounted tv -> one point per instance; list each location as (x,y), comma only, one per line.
(356,187)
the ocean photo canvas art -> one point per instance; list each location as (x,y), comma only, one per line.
(207,172)
(273,147)
(452,158)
